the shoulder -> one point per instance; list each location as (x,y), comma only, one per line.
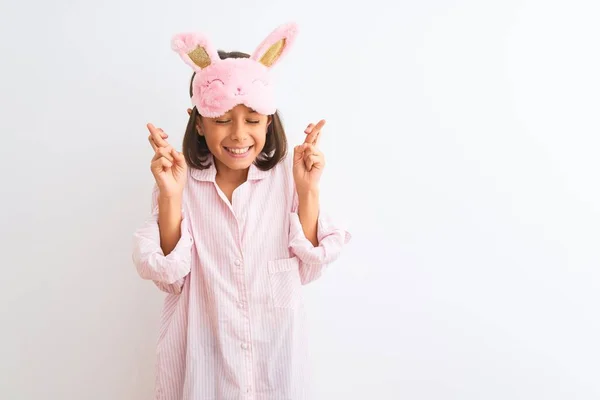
(287,162)
(281,176)
(287,171)
(284,169)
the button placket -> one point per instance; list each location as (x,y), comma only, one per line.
(242,305)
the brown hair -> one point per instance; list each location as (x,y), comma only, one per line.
(195,149)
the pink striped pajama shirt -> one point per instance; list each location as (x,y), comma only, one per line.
(232,325)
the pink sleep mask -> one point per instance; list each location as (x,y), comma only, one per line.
(219,85)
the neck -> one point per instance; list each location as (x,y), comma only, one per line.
(232,176)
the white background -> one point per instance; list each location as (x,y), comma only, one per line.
(462,146)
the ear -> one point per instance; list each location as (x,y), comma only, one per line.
(276,45)
(195,50)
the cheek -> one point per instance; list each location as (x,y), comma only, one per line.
(260,142)
(260,133)
(213,139)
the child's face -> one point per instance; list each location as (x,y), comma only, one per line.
(237,137)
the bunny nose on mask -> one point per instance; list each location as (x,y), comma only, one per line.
(219,85)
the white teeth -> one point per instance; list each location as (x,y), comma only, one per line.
(239,151)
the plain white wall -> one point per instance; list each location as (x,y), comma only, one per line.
(462,145)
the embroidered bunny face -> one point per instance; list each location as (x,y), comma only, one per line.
(219,85)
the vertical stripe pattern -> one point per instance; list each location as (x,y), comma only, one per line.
(232,324)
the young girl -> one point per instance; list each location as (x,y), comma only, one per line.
(235,232)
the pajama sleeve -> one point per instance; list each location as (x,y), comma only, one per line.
(167,272)
(313,260)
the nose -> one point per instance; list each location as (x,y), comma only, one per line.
(239,91)
(237,133)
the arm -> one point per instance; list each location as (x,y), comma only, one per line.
(313,238)
(169,222)
(325,246)
(167,269)
(308,213)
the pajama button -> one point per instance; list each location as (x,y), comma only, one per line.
(244,346)
(238,263)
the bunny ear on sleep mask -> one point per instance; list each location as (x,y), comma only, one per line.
(219,85)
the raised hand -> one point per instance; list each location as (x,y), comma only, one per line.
(168,165)
(309,161)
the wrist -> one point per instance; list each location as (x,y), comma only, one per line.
(308,194)
(170,203)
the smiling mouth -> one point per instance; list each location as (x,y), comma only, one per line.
(238,151)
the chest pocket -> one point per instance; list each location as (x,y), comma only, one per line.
(284,279)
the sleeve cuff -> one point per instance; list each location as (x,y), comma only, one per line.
(151,261)
(332,239)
